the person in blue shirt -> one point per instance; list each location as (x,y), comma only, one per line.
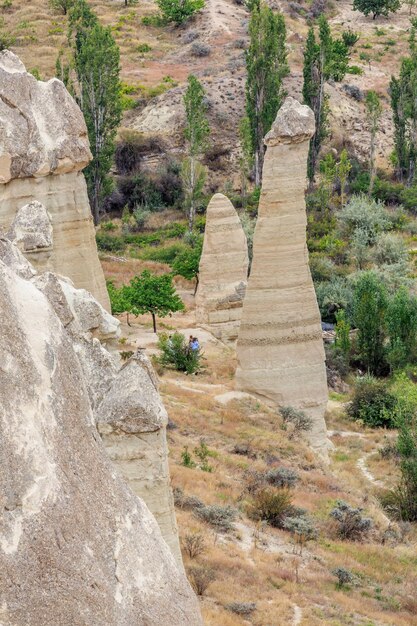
(194,344)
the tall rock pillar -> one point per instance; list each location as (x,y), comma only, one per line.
(223,270)
(280,349)
(43,150)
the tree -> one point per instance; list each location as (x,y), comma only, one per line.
(401,320)
(266,64)
(97,66)
(403,91)
(411,4)
(187,264)
(63,6)
(369,308)
(373,115)
(376,7)
(324,59)
(119,299)
(149,293)
(196,133)
(178,11)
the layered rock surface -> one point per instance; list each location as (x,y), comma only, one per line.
(43,148)
(76,546)
(280,349)
(223,270)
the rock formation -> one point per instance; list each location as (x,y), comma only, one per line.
(223,270)
(280,348)
(76,546)
(43,148)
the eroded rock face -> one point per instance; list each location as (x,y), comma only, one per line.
(76,546)
(223,270)
(43,148)
(280,348)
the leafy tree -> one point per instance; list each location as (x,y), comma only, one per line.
(63,6)
(266,64)
(403,91)
(97,65)
(369,309)
(246,157)
(196,134)
(342,340)
(324,59)
(119,299)
(401,321)
(373,115)
(187,264)
(376,7)
(178,11)
(149,293)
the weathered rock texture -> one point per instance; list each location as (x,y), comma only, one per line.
(76,546)
(223,270)
(43,148)
(280,349)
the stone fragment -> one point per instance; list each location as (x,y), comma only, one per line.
(76,546)
(31,229)
(43,148)
(280,348)
(223,270)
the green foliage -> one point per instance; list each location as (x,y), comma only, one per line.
(164,254)
(271,505)
(108,243)
(401,320)
(365,215)
(376,7)
(352,524)
(373,108)
(150,293)
(196,134)
(187,263)
(332,296)
(372,403)
(266,64)
(390,249)
(220,517)
(62,6)
(118,299)
(342,340)
(299,421)
(349,38)
(301,527)
(369,308)
(186,458)
(344,577)
(6,38)
(176,354)
(324,59)
(179,11)
(203,453)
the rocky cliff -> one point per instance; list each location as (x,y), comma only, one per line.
(43,149)
(280,348)
(76,546)
(223,270)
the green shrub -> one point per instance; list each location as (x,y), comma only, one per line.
(299,420)
(203,453)
(409,198)
(369,216)
(302,528)
(390,249)
(220,517)
(166,254)
(109,243)
(143,48)
(372,403)
(332,296)
(179,11)
(369,309)
(186,458)
(282,477)
(321,267)
(387,191)
(352,525)
(271,505)
(176,354)
(355,70)
(108,226)
(344,577)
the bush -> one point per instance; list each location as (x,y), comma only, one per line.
(191,36)
(352,90)
(300,421)
(367,215)
(193,544)
(321,267)
(282,477)
(344,576)
(271,505)
(409,198)
(220,517)
(140,217)
(349,38)
(390,249)
(179,11)
(166,254)
(183,501)
(352,524)
(332,296)
(200,49)
(176,354)
(372,403)
(129,152)
(108,243)
(200,577)
(241,608)
(301,527)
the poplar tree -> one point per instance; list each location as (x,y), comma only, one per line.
(324,59)
(266,64)
(403,91)
(196,133)
(373,116)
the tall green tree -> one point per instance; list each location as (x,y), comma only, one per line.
(373,115)
(369,308)
(266,64)
(187,263)
(403,91)
(179,11)
(97,67)
(324,59)
(401,320)
(196,132)
(376,7)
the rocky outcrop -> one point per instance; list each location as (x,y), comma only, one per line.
(223,270)
(280,348)
(43,148)
(76,546)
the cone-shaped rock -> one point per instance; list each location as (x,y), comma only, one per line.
(280,349)
(223,270)
(43,148)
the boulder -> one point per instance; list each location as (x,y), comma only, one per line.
(223,270)
(76,545)
(280,348)
(43,149)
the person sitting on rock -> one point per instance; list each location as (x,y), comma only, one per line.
(195,345)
